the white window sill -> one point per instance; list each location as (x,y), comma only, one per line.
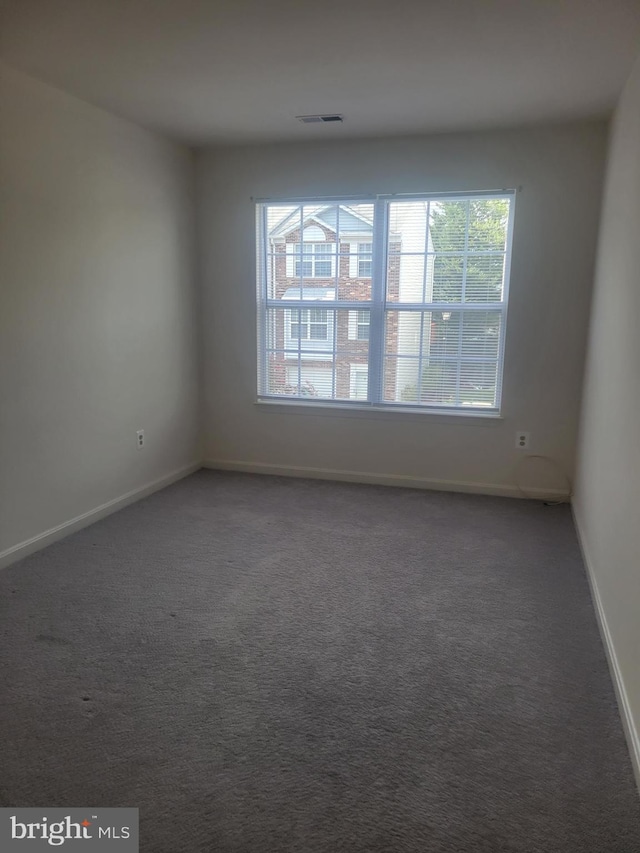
(355,410)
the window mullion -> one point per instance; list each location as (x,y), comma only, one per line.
(378,285)
(462,301)
(301,286)
(263,314)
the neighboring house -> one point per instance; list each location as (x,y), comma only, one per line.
(310,263)
(321,352)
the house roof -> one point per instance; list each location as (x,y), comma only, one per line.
(349,221)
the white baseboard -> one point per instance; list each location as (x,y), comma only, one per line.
(23,549)
(628,723)
(376,479)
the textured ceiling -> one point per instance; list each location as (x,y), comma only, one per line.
(216,71)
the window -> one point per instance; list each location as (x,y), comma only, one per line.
(311,260)
(420,325)
(359,325)
(359,376)
(307,330)
(361,259)
(365,259)
(309,324)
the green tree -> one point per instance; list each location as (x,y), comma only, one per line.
(487,234)
(477,229)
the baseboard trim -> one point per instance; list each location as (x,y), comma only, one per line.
(628,724)
(377,479)
(48,537)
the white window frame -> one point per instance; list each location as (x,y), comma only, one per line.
(379,306)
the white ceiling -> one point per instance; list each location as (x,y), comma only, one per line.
(239,70)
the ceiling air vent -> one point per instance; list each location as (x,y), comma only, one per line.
(318,119)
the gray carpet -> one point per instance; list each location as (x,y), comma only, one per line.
(263,665)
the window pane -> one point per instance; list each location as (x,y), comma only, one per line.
(400,380)
(406,278)
(287,328)
(438,383)
(355,267)
(310,291)
(478,384)
(447,251)
(304,380)
(428,383)
(488,220)
(357,218)
(359,381)
(404,332)
(356,234)
(365,260)
(304,269)
(485,274)
(448,226)
(429,355)
(408,226)
(444,338)
(325,355)
(363,319)
(481,334)
(446,272)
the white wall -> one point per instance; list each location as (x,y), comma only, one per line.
(607,500)
(560,171)
(97,308)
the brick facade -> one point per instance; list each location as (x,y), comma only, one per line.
(349,352)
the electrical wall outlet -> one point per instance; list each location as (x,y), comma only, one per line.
(523,440)
(140,439)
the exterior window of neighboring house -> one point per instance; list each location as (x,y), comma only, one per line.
(310,324)
(312,260)
(361,259)
(365,259)
(409,313)
(307,330)
(359,322)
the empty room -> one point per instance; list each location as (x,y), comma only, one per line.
(319,359)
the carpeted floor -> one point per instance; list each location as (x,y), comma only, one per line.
(263,664)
